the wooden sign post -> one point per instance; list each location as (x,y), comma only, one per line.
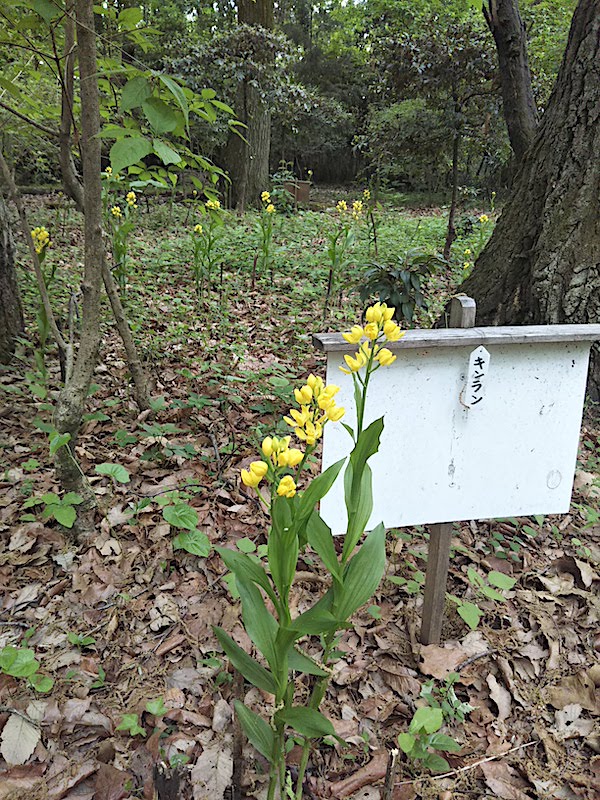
(479,423)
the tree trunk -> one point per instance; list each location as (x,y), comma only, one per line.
(11,315)
(542,263)
(520,113)
(248,163)
(71,400)
(451,233)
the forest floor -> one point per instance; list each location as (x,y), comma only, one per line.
(122,622)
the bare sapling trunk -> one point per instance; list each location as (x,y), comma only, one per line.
(11,315)
(71,400)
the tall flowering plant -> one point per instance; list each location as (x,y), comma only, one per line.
(205,236)
(282,639)
(121,217)
(340,241)
(265,228)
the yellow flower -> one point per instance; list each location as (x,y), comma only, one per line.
(335,413)
(325,399)
(467,252)
(385,357)
(379,313)
(254,474)
(116,212)
(355,363)
(290,458)
(298,418)
(108,171)
(366,195)
(310,432)
(357,209)
(466,265)
(342,206)
(267,446)
(213,205)
(198,228)
(310,173)
(194,192)
(483,219)
(131,198)
(266,197)
(371,330)
(287,487)
(315,383)
(391,331)
(354,335)
(303,395)
(270,209)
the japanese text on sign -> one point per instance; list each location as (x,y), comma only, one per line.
(479,365)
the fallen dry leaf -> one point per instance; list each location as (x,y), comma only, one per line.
(504,781)
(212,772)
(371,773)
(19,739)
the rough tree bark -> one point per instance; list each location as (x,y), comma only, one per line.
(248,161)
(11,314)
(520,112)
(542,263)
(70,404)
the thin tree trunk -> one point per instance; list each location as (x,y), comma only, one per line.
(542,263)
(518,104)
(71,400)
(451,235)
(11,314)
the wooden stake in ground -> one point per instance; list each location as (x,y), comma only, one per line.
(462,315)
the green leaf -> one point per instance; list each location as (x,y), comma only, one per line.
(41,683)
(501,580)
(470,613)
(259,734)
(436,763)
(130,723)
(363,574)
(10,87)
(18,661)
(161,117)
(442,742)
(156,707)
(316,490)
(46,9)
(127,152)
(181,515)
(245,545)
(136,91)
(166,154)
(254,672)
(64,515)
(195,542)
(359,508)
(260,626)
(320,539)
(406,742)
(130,17)
(116,471)
(307,721)
(426,719)
(299,662)
(247,569)
(179,96)
(58,440)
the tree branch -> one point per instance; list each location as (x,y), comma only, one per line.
(29,121)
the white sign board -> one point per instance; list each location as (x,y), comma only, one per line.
(479,423)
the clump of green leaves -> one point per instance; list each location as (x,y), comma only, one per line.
(444,697)
(20,662)
(423,740)
(55,507)
(401,285)
(470,612)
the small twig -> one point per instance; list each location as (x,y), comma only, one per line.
(455,772)
(390,775)
(475,658)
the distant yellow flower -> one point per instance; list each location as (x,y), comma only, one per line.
(310,174)
(41,239)
(483,219)
(108,171)
(342,206)
(354,335)
(131,199)
(366,195)
(467,252)
(287,487)
(266,197)
(357,208)
(254,474)
(270,209)
(198,228)
(116,212)
(466,265)
(213,205)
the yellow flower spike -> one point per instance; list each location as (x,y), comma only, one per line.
(213,205)
(374,313)
(315,383)
(385,357)
(270,209)
(326,397)
(287,487)
(467,252)
(367,194)
(392,332)
(354,335)
(335,413)
(357,207)
(116,212)
(303,395)
(483,219)
(342,206)
(267,446)
(266,197)
(371,330)
(108,171)
(198,228)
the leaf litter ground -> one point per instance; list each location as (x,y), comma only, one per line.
(225,371)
